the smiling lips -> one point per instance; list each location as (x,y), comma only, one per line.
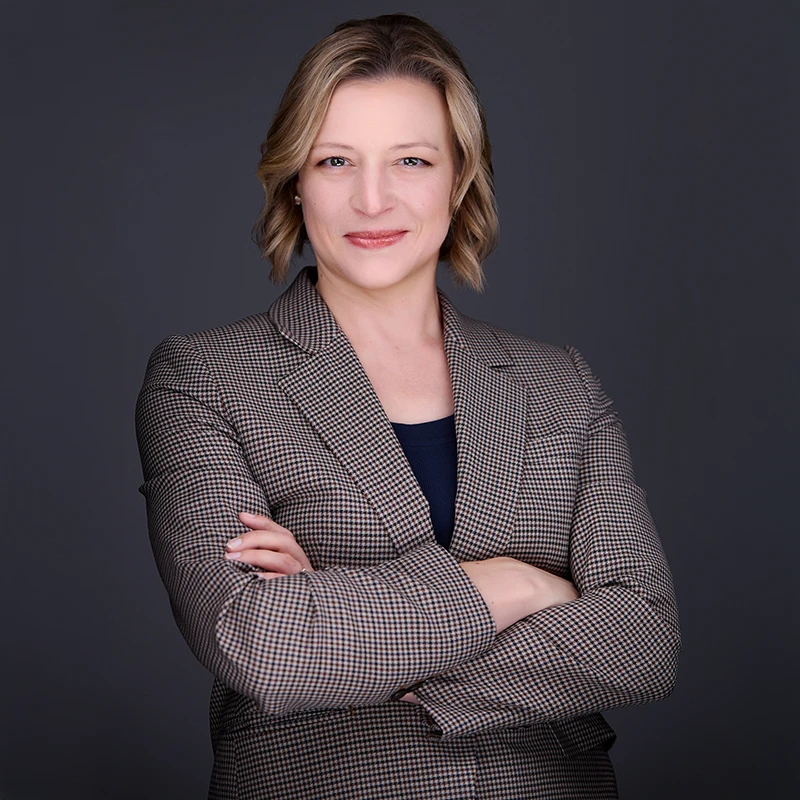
(372,240)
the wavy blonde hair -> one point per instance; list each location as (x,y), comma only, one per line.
(375,49)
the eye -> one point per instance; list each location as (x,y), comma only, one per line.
(331,158)
(339,161)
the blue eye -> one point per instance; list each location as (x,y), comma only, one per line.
(419,161)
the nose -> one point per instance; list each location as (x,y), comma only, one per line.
(373,193)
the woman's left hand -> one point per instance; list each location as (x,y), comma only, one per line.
(269,546)
(410,697)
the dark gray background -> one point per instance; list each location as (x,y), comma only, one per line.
(647,174)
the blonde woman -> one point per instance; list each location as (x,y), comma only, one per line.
(408,544)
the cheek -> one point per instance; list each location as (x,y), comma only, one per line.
(321,214)
(433,201)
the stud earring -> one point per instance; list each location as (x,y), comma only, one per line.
(297,200)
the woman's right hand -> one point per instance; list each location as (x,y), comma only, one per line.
(513,589)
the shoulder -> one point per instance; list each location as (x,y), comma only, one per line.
(528,358)
(522,347)
(556,377)
(250,331)
(223,346)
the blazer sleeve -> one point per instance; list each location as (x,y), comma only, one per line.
(331,638)
(616,645)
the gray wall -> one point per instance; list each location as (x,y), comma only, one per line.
(647,177)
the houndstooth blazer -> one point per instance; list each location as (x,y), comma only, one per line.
(274,414)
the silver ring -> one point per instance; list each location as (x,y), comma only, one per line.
(304,570)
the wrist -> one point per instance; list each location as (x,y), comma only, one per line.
(508,588)
(548,589)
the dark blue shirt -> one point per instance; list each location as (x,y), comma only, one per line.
(430,448)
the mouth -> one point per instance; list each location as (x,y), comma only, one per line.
(374,239)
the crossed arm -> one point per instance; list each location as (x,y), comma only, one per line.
(510,588)
(484,643)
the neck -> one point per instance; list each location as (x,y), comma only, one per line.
(401,316)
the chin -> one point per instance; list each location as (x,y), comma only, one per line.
(382,273)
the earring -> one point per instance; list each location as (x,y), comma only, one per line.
(297,200)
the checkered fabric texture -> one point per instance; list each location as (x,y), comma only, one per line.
(274,414)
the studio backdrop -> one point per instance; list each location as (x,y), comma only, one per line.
(646,170)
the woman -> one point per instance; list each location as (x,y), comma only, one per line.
(408,544)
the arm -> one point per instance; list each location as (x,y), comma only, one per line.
(510,588)
(312,640)
(616,645)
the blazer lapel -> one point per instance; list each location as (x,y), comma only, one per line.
(334,393)
(490,417)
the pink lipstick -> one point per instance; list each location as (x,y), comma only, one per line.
(373,240)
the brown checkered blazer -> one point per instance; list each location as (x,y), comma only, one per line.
(274,414)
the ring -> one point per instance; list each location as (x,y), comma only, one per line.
(304,570)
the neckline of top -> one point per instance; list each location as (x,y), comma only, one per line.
(432,422)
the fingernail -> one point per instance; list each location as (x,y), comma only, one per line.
(246,514)
(234,543)
(233,555)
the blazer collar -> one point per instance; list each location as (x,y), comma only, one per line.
(334,393)
(304,318)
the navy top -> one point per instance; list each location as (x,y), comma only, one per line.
(430,448)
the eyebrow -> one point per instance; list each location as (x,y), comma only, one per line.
(403,146)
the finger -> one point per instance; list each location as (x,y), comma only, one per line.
(270,526)
(257,521)
(268,575)
(262,522)
(269,540)
(270,560)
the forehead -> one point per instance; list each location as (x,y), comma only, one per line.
(399,109)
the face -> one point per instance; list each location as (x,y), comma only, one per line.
(383,161)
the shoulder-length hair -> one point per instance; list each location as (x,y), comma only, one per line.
(375,49)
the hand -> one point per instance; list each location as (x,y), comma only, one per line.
(550,590)
(410,697)
(269,546)
(513,589)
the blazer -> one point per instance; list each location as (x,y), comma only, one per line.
(274,414)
